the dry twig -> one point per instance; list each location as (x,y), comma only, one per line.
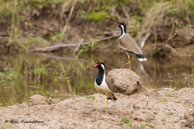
(63,45)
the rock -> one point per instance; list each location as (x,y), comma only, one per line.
(123,81)
(38,100)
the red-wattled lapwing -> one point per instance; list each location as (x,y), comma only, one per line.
(101,85)
(127,43)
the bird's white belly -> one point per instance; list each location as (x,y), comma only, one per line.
(103,88)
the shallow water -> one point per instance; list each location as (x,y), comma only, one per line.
(63,76)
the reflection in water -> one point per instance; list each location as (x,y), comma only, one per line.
(63,76)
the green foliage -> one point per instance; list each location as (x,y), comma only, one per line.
(191,6)
(89,47)
(2,82)
(135,28)
(108,4)
(147,4)
(6,126)
(90,97)
(155,52)
(175,84)
(7,6)
(164,118)
(169,95)
(139,127)
(31,40)
(150,126)
(84,48)
(97,16)
(163,101)
(126,121)
(56,37)
(94,45)
(123,2)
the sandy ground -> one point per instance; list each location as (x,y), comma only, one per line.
(162,109)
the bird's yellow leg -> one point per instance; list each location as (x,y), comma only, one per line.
(106,103)
(99,101)
(99,98)
(129,60)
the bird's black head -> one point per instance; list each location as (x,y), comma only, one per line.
(100,65)
(122,26)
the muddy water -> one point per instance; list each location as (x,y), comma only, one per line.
(63,76)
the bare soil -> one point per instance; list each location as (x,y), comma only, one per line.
(160,109)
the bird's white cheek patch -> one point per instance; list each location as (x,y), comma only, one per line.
(122,27)
(102,66)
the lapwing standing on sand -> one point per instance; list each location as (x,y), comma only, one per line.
(127,43)
(101,84)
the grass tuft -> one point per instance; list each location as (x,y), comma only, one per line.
(97,16)
(90,97)
(150,126)
(126,121)
(163,101)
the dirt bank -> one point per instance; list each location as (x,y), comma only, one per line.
(43,25)
(161,109)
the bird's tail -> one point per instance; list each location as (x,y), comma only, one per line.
(112,97)
(141,57)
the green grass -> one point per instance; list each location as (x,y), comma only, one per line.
(6,126)
(89,47)
(150,126)
(139,127)
(135,28)
(163,101)
(7,6)
(90,97)
(175,84)
(56,37)
(97,16)
(164,117)
(171,95)
(126,121)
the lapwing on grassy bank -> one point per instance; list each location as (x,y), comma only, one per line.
(127,43)
(101,84)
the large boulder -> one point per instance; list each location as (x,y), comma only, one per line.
(123,81)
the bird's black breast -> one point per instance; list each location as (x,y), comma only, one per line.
(99,79)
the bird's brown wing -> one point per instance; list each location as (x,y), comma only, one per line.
(108,83)
(110,94)
(126,42)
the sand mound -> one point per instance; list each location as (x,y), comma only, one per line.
(165,108)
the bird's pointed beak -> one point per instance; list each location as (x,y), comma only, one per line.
(96,65)
(118,25)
